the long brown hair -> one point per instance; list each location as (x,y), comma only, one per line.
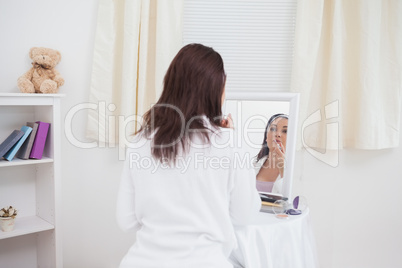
(192,87)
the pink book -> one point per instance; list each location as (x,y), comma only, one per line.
(40,140)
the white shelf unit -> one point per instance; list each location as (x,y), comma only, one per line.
(32,186)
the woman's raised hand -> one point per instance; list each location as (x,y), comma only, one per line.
(227,121)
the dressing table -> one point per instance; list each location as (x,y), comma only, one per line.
(270,242)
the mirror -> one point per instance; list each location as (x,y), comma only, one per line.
(251,113)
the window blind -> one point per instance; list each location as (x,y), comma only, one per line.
(254,38)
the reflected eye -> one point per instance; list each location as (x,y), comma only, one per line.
(285,131)
(272,129)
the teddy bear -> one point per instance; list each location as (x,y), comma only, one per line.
(42,77)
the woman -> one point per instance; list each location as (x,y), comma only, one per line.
(172,192)
(272,155)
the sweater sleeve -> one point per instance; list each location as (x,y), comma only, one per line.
(125,210)
(245,202)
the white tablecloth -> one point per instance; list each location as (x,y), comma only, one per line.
(276,243)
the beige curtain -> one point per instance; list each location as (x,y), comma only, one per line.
(348,68)
(134,44)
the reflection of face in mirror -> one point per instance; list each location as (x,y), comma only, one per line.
(271,157)
(251,112)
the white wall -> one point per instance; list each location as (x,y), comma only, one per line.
(354,207)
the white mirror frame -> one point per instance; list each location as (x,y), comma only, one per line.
(293,99)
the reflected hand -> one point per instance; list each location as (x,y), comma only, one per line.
(279,156)
(227,121)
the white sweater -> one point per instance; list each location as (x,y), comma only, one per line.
(184,215)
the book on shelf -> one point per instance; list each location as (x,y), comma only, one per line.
(26,148)
(13,151)
(40,140)
(10,141)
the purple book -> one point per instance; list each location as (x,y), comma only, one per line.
(40,140)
